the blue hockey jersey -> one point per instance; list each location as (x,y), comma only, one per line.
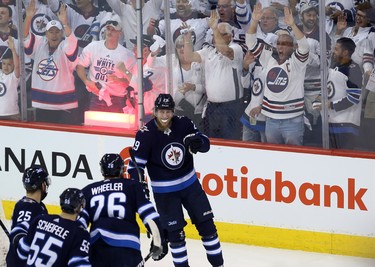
(55,242)
(111,208)
(25,211)
(169,164)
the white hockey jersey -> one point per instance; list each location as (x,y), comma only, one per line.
(52,85)
(284,91)
(128,15)
(85,28)
(197,21)
(344,91)
(42,16)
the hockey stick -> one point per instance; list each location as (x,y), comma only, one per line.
(140,176)
(4,228)
(144,182)
(142,263)
(145,186)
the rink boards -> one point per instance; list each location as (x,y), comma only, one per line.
(293,198)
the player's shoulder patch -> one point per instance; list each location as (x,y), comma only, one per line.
(144,129)
(267,47)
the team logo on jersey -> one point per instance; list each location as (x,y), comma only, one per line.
(85,34)
(172,155)
(3,89)
(330,89)
(104,67)
(277,79)
(257,87)
(39,23)
(47,69)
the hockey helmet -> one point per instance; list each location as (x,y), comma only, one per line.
(164,101)
(112,165)
(72,200)
(33,178)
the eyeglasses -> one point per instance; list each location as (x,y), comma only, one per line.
(179,46)
(223,6)
(112,22)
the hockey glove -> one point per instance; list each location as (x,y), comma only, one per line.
(159,253)
(193,142)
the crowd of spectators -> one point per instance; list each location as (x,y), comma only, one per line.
(241,69)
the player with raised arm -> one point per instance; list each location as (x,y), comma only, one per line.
(58,240)
(112,205)
(36,182)
(165,145)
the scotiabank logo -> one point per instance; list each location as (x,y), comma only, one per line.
(283,190)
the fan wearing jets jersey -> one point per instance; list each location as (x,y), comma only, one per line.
(84,19)
(165,146)
(112,205)
(36,181)
(186,13)
(58,240)
(55,56)
(283,101)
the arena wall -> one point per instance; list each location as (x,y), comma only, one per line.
(293,198)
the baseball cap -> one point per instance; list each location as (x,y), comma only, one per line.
(306,5)
(114,21)
(54,23)
(147,40)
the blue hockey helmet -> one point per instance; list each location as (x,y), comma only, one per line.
(164,101)
(72,200)
(112,165)
(33,178)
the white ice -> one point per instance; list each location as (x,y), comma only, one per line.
(251,256)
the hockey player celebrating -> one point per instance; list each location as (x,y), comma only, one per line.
(36,182)
(165,145)
(111,209)
(58,240)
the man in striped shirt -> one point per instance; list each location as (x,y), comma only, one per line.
(283,101)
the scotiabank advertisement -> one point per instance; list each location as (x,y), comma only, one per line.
(245,185)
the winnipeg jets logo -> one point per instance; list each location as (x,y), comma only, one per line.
(167,131)
(257,87)
(144,129)
(39,23)
(330,89)
(3,89)
(277,79)
(172,156)
(47,69)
